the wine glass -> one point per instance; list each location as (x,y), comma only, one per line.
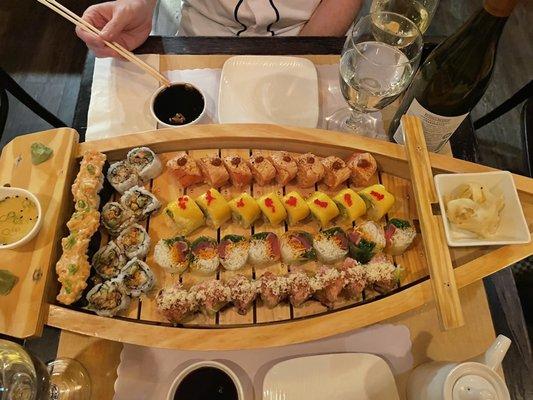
(379,59)
(24,377)
(421,12)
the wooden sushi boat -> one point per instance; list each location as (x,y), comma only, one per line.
(432,270)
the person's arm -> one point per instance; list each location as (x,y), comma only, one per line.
(127,22)
(332,18)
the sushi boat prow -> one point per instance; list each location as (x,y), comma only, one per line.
(276,321)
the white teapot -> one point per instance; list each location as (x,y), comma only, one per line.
(475,379)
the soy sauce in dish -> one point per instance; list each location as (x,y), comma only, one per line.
(178,104)
(206,383)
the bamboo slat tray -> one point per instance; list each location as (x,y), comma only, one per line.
(261,327)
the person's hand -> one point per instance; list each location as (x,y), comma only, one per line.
(127,22)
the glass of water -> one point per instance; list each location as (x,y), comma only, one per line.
(421,12)
(379,58)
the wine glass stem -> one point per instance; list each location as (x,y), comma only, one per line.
(54,392)
(355,119)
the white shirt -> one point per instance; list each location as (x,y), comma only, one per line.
(245,17)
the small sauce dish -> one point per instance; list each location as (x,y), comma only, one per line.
(180,104)
(20,217)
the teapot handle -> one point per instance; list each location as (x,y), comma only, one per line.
(494,355)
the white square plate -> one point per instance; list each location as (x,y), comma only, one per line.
(513,227)
(269,89)
(331,376)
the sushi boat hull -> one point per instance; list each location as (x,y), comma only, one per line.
(262,328)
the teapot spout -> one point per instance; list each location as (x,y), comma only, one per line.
(494,355)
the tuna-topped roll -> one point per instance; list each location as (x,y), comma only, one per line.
(366,240)
(331,245)
(122,176)
(327,285)
(382,275)
(144,161)
(109,260)
(176,304)
(140,201)
(173,254)
(108,298)
(399,235)
(136,277)
(204,255)
(300,288)
(211,295)
(297,247)
(243,292)
(134,241)
(354,278)
(116,217)
(264,248)
(233,252)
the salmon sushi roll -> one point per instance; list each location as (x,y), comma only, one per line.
(382,275)
(273,289)
(185,169)
(239,172)
(262,169)
(300,288)
(176,304)
(242,292)
(327,284)
(212,296)
(336,171)
(363,166)
(310,170)
(286,168)
(213,170)
(354,275)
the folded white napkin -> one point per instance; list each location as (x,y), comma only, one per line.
(120,99)
(146,373)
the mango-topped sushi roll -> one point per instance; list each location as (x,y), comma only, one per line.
(213,170)
(245,210)
(322,208)
(362,166)
(378,201)
(185,214)
(336,171)
(297,208)
(272,208)
(215,208)
(351,205)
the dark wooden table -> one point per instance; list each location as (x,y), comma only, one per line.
(501,289)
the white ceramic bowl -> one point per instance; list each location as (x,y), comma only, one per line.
(513,227)
(202,364)
(152,100)
(12,191)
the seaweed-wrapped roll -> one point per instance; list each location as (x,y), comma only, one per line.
(144,161)
(116,217)
(204,255)
(296,247)
(366,240)
(173,254)
(140,201)
(233,252)
(122,176)
(264,248)
(108,298)
(399,235)
(331,245)
(134,241)
(109,260)
(136,277)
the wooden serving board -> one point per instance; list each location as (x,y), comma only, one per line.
(283,325)
(23,311)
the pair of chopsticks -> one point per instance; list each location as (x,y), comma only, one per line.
(86,26)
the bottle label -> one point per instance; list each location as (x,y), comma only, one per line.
(437,129)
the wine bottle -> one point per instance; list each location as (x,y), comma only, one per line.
(455,76)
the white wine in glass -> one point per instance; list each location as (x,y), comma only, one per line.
(419,11)
(24,377)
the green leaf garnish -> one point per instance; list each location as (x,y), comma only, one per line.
(400,223)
